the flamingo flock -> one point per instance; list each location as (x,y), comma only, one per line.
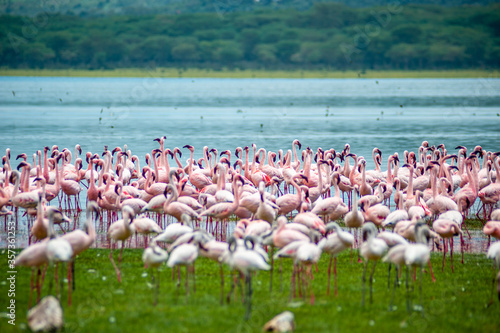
(236,212)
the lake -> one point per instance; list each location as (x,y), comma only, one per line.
(392,114)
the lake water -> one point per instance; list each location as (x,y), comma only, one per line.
(391,114)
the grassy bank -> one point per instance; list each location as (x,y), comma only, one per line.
(293,74)
(456,302)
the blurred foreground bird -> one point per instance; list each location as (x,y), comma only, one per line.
(284,322)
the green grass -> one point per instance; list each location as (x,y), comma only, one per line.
(456,302)
(295,74)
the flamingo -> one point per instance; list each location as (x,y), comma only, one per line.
(174,231)
(197,178)
(375,214)
(223,210)
(58,250)
(120,231)
(495,215)
(328,206)
(185,254)
(490,195)
(494,253)
(80,240)
(439,203)
(398,215)
(334,244)
(447,229)
(290,202)
(492,228)
(34,256)
(266,210)
(418,255)
(153,256)
(25,199)
(144,225)
(245,261)
(175,208)
(372,249)
(68,186)
(285,235)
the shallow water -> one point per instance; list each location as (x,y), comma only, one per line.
(391,114)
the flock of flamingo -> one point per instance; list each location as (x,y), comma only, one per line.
(246,214)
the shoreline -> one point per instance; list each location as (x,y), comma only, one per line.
(278,74)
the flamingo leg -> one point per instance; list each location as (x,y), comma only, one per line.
(363,287)
(391,306)
(221,284)
(462,247)
(371,282)
(38,286)
(228,297)
(56,279)
(329,273)
(118,275)
(187,280)
(335,275)
(420,289)
(389,276)
(157,285)
(451,253)
(194,279)
(69,268)
(407,290)
(153,283)
(248,280)
(31,286)
(432,274)
(120,257)
(444,254)
(281,276)
(309,284)
(490,302)
(73,273)
(271,271)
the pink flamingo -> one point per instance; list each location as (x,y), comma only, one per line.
(439,203)
(120,231)
(80,241)
(447,229)
(492,228)
(246,261)
(175,208)
(58,250)
(333,244)
(24,199)
(285,235)
(145,226)
(34,256)
(372,249)
(290,202)
(153,257)
(490,195)
(197,178)
(466,197)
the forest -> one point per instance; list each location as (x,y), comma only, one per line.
(326,36)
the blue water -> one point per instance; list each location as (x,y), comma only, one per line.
(391,114)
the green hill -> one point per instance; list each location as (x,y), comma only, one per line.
(328,35)
(135,7)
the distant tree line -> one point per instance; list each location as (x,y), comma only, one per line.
(87,8)
(328,35)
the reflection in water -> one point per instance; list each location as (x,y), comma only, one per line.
(478,242)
